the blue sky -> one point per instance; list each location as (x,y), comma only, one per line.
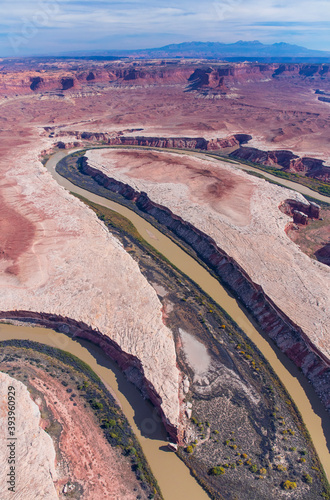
(52,26)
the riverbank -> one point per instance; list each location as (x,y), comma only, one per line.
(96,451)
(313,414)
(288,336)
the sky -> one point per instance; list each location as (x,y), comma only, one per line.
(54,26)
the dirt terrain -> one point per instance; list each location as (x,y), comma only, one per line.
(57,258)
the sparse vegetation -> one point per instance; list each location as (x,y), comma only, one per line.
(289,485)
(71,370)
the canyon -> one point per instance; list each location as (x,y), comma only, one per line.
(216,190)
(59,265)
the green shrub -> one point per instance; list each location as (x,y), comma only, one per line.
(189,449)
(307,478)
(217,471)
(289,485)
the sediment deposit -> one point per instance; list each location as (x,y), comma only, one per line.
(33,452)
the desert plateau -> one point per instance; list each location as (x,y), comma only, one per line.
(136,215)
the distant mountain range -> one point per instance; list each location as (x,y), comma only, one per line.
(239,51)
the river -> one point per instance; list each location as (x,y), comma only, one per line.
(314,415)
(165,465)
(172,475)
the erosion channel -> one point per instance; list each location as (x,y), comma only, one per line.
(313,414)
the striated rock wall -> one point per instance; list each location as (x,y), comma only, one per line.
(129,363)
(217,78)
(289,337)
(33,451)
(158,142)
(289,162)
(39,77)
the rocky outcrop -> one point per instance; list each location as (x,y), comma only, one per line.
(198,143)
(219,78)
(311,167)
(286,160)
(130,364)
(31,76)
(280,158)
(36,82)
(67,83)
(324,99)
(300,218)
(315,71)
(323,254)
(311,210)
(289,337)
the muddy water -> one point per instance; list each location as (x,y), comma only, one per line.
(313,413)
(197,355)
(172,475)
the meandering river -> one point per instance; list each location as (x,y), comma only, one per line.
(172,475)
(314,415)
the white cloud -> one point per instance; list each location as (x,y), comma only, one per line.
(81,21)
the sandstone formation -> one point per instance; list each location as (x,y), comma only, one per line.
(57,258)
(32,451)
(310,209)
(286,160)
(57,261)
(201,76)
(289,162)
(153,142)
(264,269)
(276,104)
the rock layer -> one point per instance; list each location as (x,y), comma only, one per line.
(69,265)
(259,293)
(311,167)
(157,142)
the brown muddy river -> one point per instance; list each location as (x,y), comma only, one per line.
(172,475)
(314,415)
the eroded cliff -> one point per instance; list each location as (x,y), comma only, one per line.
(290,323)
